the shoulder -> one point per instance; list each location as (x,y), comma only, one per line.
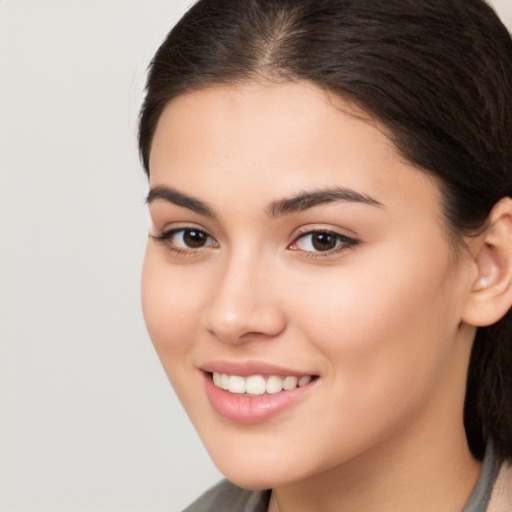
(501,496)
(228,497)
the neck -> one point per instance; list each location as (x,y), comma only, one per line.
(436,474)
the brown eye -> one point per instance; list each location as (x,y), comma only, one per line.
(188,239)
(323,241)
(194,238)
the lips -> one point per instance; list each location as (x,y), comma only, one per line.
(252,392)
(246,368)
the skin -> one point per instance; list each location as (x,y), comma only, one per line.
(380,321)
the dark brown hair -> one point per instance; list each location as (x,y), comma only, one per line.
(436,73)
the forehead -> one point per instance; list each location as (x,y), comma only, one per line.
(277,139)
(257,112)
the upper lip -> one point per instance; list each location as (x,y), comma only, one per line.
(247,368)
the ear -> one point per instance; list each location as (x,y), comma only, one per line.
(490,296)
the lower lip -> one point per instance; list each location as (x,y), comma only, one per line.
(252,409)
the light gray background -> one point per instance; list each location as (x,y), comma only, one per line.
(88,421)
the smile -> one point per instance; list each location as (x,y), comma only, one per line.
(255,398)
(255,385)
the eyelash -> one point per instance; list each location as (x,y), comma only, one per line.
(166,239)
(343,242)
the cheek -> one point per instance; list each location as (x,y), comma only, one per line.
(171,305)
(388,325)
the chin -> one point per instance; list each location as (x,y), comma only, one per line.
(259,468)
(256,478)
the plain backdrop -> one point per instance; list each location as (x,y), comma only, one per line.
(88,421)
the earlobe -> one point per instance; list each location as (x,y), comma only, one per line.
(490,296)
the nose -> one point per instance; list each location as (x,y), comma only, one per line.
(244,303)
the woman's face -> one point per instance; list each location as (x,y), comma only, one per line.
(290,243)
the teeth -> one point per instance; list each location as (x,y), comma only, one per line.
(236,384)
(224,381)
(274,384)
(304,380)
(290,383)
(257,384)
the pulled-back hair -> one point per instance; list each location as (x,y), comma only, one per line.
(436,73)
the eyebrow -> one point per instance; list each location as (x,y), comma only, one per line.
(311,199)
(178,198)
(298,203)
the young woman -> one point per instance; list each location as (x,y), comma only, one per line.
(328,274)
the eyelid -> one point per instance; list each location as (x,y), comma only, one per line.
(324,228)
(174,226)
